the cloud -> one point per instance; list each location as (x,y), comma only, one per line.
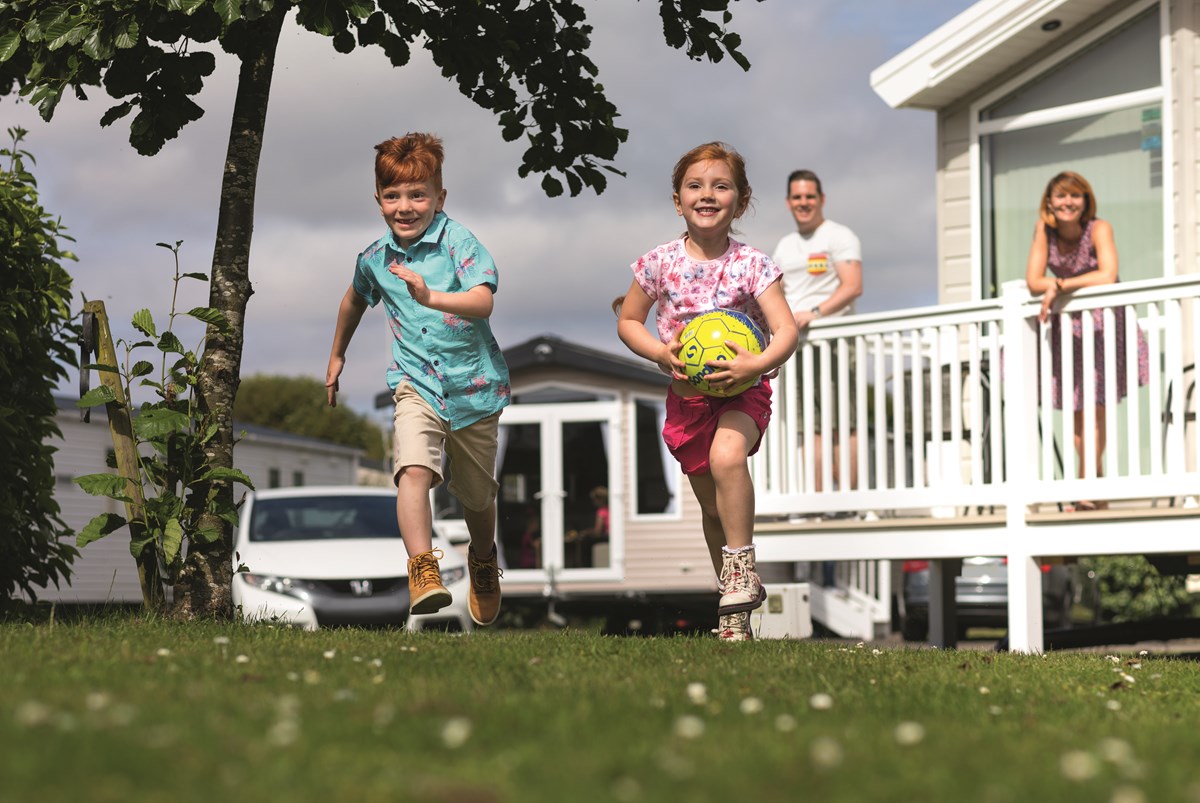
(805,103)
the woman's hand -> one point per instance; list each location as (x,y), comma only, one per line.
(1048,297)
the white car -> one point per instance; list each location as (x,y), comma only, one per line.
(325,556)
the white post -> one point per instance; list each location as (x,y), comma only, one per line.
(1020,401)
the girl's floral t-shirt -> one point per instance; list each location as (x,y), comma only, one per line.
(683,287)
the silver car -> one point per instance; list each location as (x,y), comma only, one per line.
(327,556)
(981,596)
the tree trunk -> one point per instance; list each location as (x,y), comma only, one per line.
(203,586)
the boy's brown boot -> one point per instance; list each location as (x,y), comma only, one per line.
(484,597)
(426,593)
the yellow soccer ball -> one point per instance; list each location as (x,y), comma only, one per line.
(703,342)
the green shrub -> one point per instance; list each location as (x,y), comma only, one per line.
(1130,589)
(36,330)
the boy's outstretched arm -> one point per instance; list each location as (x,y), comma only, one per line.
(350,312)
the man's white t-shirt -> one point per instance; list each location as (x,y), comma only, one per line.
(809,275)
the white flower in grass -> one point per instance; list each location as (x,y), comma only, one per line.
(820,702)
(1127,794)
(328,654)
(675,765)
(1113,658)
(697,693)
(909,733)
(378,679)
(876,651)
(1113,705)
(163,652)
(1128,678)
(312,677)
(1115,751)
(288,706)
(383,715)
(31,713)
(376,662)
(1143,653)
(751,705)
(689,726)
(220,641)
(825,752)
(995,710)
(1078,765)
(122,715)
(785,723)
(455,732)
(626,789)
(243,659)
(284,732)
(984,690)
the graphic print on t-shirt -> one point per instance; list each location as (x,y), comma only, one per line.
(818,263)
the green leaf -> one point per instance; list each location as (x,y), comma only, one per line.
(156,422)
(206,535)
(111,485)
(168,343)
(552,186)
(128,37)
(99,527)
(97,366)
(9,43)
(222,473)
(101,394)
(140,368)
(209,315)
(172,540)
(201,276)
(143,321)
(138,545)
(229,10)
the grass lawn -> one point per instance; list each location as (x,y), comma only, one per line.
(128,708)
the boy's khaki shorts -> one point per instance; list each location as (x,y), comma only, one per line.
(421,436)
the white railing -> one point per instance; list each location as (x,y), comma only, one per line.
(944,406)
(906,461)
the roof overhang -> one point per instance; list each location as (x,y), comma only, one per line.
(984,41)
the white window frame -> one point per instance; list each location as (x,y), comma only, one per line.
(1161,94)
(551,419)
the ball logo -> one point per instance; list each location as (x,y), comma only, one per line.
(704,340)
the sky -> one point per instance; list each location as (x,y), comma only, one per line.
(805,103)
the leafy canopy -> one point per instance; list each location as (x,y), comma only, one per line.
(524,60)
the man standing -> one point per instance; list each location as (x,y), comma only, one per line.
(822,276)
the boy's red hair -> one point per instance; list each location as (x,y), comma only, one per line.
(412,157)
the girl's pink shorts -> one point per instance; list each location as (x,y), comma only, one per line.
(691,423)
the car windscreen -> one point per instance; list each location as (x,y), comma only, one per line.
(310,518)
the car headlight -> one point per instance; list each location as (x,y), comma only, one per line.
(453,574)
(287,586)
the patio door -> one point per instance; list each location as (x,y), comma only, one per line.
(551,458)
